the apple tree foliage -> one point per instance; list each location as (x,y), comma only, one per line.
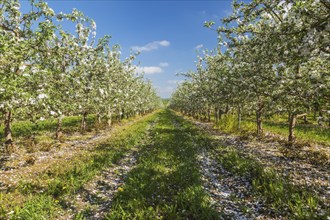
(47,71)
(272,57)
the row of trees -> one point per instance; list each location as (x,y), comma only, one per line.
(272,57)
(47,71)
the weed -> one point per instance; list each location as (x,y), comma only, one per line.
(38,207)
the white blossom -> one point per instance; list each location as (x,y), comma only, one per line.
(32,101)
(93,25)
(22,68)
(51,11)
(42,96)
(101,91)
(34,70)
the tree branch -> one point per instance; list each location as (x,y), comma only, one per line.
(9,29)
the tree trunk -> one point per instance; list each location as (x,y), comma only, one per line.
(84,121)
(259,118)
(239,117)
(119,115)
(8,133)
(259,124)
(109,117)
(227,109)
(289,117)
(292,125)
(123,114)
(314,116)
(204,115)
(59,128)
(216,116)
(209,115)
(305,119)
(320,113)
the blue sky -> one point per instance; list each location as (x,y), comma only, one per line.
(166,32)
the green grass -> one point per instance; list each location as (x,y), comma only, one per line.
(166,184)
(165,101)
(42,197)
(69,124)
(27,128)
(229,123)
(277,125)
(308,132)
(287,199)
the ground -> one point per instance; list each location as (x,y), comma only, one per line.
(162,166)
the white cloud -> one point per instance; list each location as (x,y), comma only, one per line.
(164,43)
(163,64)
(152,46)
(148,69)
(199,46)
(151,69)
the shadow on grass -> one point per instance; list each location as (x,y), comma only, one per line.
(166,182)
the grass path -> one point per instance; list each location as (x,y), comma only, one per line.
(44,195)
(161,167)
(290,187)
(166,183)
(93,200)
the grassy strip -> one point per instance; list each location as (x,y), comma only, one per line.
(304,132)
(42,196)
(27,128)
(309,133)
(287,199)
(69,124)
(166,184)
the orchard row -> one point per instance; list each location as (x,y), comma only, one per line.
(47,71)
(273,57)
